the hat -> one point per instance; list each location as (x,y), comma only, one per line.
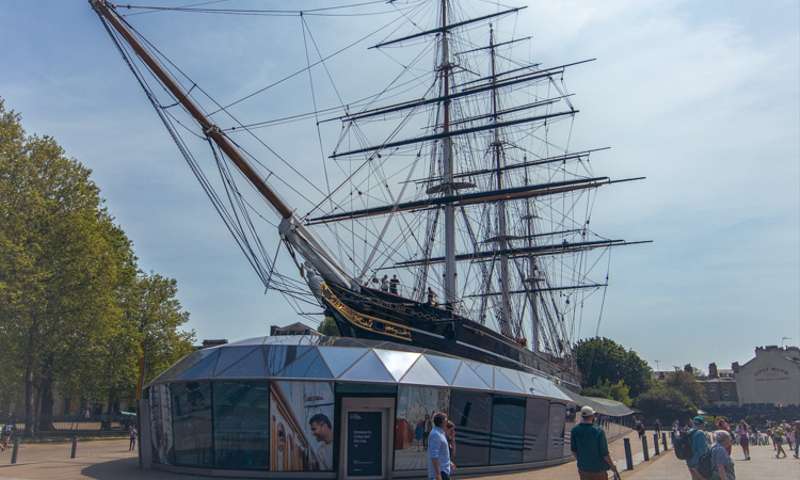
(587,411)
(698,420)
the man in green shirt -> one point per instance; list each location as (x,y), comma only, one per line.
(590,447)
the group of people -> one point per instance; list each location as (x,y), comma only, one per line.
(392,285)
(6,436)
(441,448)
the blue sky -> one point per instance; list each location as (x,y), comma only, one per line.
(701,97)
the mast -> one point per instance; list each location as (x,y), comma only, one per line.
(291,230)
(447,170)
(502,231)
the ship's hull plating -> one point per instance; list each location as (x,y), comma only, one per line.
(377,315)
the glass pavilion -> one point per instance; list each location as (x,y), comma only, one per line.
(328,407)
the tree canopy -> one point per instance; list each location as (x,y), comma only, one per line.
(75,312)
(603,360)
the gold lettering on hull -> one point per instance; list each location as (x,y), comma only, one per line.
(363,321)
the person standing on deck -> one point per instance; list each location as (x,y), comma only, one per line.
(394,283)
(590,447)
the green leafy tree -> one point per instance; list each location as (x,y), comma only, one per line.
(601,359)
(328,327)
(666,404)
(613,391)
(687,384)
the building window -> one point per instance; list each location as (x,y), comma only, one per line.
(301,426)
(536,412)
(241,418)
(415,409)
(191,423)
(508,430)
(472,414)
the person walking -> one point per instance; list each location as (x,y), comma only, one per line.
(721,461)
(743,431)
(450,432)
(439,465)
(699,443)
(590,447)
(797,439)
(132,437)
(658,427)
(777,442)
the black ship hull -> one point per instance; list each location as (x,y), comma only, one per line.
(377,315)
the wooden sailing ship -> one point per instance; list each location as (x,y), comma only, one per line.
(479,228)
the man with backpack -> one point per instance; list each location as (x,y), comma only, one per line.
(590,447)
(693,448)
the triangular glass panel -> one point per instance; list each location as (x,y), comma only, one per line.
(280,356)
(467,378)
(486,372)
(502,383)
(423,373)
(368,368)
(230,355)
(176,371)
(308,366)
(249,341)
(203,369)
(447,367)
(510,374)
(397,363)
(340,359)
(251,365)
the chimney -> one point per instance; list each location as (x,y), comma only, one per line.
(712,370)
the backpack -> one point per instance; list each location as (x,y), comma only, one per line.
(705,466)
(682,444)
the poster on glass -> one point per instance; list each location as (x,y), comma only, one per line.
(301,426)
(415,409)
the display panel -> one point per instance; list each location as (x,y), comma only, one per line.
(191,421)
(241,418)
(472,414)
(160,423)
(414,421)
(301,426)
(536,422)
(556,433)
(508,429)
(364,444)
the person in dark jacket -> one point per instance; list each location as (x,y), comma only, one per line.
(590,447)
(699,447)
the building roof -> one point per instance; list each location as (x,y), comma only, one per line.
(321,358)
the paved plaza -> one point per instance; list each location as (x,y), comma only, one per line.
(110,460)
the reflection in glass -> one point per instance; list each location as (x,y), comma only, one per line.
(536,412)
(415,409)
(241,416)
(556,431)
(508,424)
(160,423)
(191,411)
(472,414)
(301,426)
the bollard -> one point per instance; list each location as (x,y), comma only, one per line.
(644,449)
(74,447)
(628,454)
(15,451)
(655,445)
(664,441)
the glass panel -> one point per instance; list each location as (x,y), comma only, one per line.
(556,431)
(570,415)
(536,412)
(472,414)
(230,355)
(467,378)
(161,423)
(508,429)
(251,365)
(486,372)
(203,369)
(309,366)
(241,414)
(340,359)
(183,365)
(250,341)
(423,373)
(447,367)
(301,426)
(365,389)
(368,368)
(191,409)
(415,409)
(503,383)
(397,363)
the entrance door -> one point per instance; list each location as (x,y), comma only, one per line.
(366,440)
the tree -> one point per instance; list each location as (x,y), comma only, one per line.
(687,384)
(328,327)
(602,359)
(69,318)
(666,404)
(614,391)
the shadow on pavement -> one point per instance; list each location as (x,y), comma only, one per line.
(122,469)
